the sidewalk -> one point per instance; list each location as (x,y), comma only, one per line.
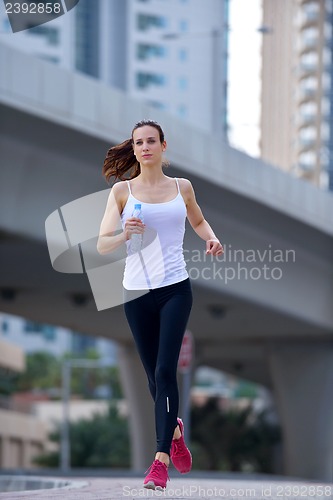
(180,488)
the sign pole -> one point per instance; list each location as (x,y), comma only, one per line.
(184,367)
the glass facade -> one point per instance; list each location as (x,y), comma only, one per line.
(183,25)
(315,121)
(148,21)
(48,332)
(51,34)
(183,55)
(87,37)
(182,111)
(145,80)
(328,149)
(183,83)
(148,51)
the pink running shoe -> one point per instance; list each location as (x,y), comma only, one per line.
(157,476)
(180,455)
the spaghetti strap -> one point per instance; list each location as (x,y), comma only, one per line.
(177,184)
(129,187)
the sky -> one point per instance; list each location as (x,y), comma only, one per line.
(244,75)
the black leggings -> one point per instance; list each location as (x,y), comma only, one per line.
(158,320)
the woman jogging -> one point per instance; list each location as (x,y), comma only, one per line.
(158,296)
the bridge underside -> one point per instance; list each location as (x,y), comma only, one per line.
(230,333)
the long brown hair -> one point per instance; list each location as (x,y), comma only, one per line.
(120,161)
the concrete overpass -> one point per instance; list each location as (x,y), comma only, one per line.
(272,325)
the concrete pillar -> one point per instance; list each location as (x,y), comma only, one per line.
(26,454)
(302,376)
(6,462)
(141,408)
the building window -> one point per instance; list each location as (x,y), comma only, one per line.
(32,327)
(182,111)
(183,25)
(145,80)
(327,30)
(311,7)
(52,59)
(326,81)
(309,61)
(309,84)
(157,105)
(6,26)
(310,37)
(183,83)
(47,331)
(324,155)
(148,50)
(308,133)
(86,37)
(183,55)
(307,137)
(51,34)
(325,106)
(324,131)
(5,326)
(308,111)
(148,21)
(307,161)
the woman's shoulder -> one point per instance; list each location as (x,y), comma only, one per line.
(186,189)
(120,192)
(184,184)
(120,188)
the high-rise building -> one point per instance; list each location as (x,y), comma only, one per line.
(171,54)
(177,58)
(88,37)
(297,105)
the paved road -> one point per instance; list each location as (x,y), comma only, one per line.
(181,488)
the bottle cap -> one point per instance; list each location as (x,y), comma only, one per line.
(137,206)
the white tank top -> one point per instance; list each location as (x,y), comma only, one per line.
(161,261)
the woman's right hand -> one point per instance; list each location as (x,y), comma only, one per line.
(133,225)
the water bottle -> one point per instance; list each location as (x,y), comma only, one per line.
(136,239)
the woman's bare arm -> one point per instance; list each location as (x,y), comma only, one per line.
(107,240)
(197,220)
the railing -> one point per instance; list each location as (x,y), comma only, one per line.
(307,94)
(309,18)
(306,144)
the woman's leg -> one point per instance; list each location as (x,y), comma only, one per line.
(143,318)
(158,320)
(175,302)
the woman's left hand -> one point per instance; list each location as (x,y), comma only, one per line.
(214,247)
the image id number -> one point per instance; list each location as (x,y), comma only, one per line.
(304,491)
(33,8)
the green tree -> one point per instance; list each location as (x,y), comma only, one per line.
(232,440)
(42,372)
(102,441)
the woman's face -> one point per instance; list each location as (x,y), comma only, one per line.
(147,146)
